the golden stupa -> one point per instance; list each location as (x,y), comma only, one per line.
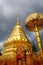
(17,47)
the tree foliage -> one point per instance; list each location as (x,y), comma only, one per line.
(34,49)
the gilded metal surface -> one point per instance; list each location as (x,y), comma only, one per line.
(16,38)
(30,20)
(34,22)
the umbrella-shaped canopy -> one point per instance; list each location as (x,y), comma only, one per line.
(34,19)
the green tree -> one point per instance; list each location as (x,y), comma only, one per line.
(34,49)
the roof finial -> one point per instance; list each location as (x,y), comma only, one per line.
(18,20)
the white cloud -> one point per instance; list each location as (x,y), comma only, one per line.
(11,7)
(7,10)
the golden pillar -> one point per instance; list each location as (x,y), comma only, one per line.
(38,39)
(34,22)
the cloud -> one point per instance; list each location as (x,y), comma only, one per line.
(9,9)
(1,46)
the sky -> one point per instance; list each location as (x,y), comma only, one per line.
(9,9)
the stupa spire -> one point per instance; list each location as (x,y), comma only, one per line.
(18,20)
(18,37)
